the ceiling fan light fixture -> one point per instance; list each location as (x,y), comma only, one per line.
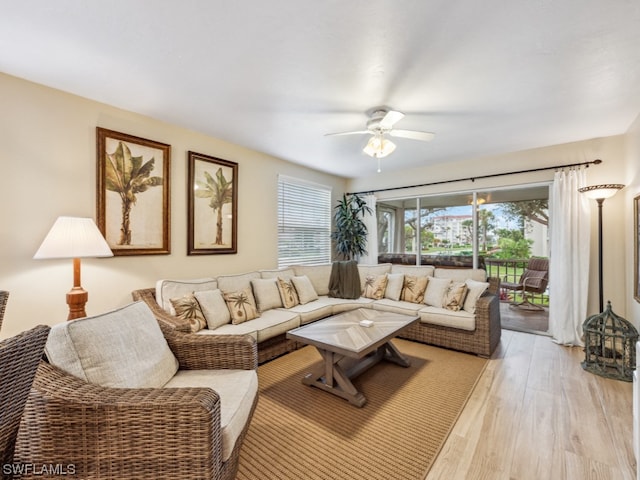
(379,147)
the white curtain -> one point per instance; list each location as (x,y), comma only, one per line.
(371,221)
(569,266)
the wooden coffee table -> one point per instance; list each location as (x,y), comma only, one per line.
(348,349)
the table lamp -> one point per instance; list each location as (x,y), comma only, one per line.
(76,238)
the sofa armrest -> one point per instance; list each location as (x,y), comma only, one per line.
(119,433)
(494,286)
(210,352)
(166,320)
(201,352)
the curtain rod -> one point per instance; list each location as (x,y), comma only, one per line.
(473,179)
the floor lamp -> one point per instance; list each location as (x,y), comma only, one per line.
(76,238)
(600,193)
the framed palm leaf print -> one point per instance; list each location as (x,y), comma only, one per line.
(212,205)
(133,193)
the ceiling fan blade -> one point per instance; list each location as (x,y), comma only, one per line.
(390,118)
(412,134)
(356,132)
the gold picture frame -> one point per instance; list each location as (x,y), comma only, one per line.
(212,205)
(133,193)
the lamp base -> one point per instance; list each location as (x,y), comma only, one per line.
(76,299)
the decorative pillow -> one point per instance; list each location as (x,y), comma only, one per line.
(265,291)
(436,291)
(413,288)
(123,348)
(242,306)
(395,281)
(304,289)
(188,308)
(374,286)
(214,308)
(288,293)
(475,291)
(455,296)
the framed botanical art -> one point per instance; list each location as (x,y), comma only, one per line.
(212,204)
(133,193)
(636,248)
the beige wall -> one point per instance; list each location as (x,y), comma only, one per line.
(47,169)
(616,168)
(632,156)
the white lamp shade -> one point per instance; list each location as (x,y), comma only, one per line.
(73,237)
(601,191)
(379,147)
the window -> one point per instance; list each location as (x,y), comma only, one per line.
(304,222)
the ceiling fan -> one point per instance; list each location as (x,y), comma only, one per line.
(380,123)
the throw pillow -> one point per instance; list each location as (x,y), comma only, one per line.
(436,291)
(476,289)
(188,308)
(395,281)
(242,306)
(374,286)
(265,291)
(455,296)
(214,308)
(288,293)
(413,288)
(304,289)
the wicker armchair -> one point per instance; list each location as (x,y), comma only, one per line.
(145,433)
(4,296)
(19,358)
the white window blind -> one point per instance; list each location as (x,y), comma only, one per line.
(304,222)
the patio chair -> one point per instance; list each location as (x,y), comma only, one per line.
(118,398)
(534,279)
(19,358)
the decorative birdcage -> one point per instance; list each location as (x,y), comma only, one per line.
(610,345)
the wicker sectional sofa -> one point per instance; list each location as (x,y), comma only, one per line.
(473,328)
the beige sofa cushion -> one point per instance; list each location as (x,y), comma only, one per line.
(372,270)
(168,289)
(123,348)
(437,289)
(265,291)
(285,273)
(214,308)
(448,318)
(416,270)
(232,283)
(304,288)
(318,275)
(275,322)
(461,274)
(395,282)
(237,390)
(475,291)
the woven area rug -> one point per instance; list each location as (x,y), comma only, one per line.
(301,432)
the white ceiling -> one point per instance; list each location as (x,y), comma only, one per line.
(486,77)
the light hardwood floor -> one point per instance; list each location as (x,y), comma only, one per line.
(536,414)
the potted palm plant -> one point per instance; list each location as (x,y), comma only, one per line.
(350,234)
